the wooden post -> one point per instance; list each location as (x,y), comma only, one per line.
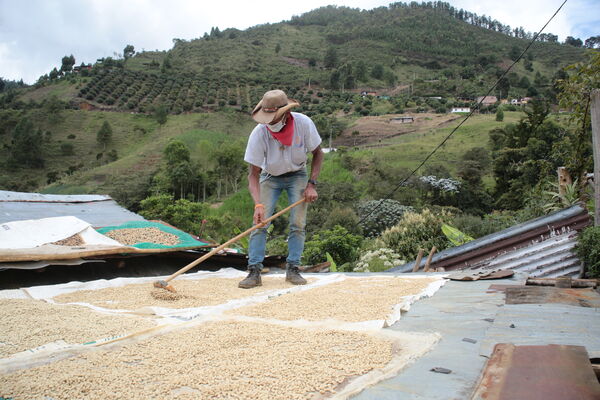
(564,179)
(418,262)
(596,144)
(429,257)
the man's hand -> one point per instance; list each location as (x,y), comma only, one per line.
(310,193)
(259,215)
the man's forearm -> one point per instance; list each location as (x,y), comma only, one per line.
(254,187)
(315,165)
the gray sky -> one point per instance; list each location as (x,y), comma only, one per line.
(36,34)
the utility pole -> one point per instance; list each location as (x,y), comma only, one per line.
(596,145)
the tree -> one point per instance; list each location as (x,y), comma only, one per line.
(67,149)
(377,71)
(176,152)
(331,58)
(277,48)
(53,74)
(540,80)
(104,135)
(230,166)
(523,155)
(575,42)
(390,78)
(524,82)
(128,51)
(514,53)
(26,149)
(160,114)
(178,168)
(592,42)
(575,94)
(67,63)
(2,85)
(499,115)
(361,71)
(54,107)
(334,79)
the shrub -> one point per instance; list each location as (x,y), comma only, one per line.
(588,250)
(67,149)
(183,214)
(345,217)
(378,215)
(277,247)
(378,260)
(338,242)
(414,231)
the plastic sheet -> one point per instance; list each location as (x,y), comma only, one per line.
(185,239)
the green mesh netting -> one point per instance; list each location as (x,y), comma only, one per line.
(185,239)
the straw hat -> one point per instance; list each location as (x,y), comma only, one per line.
(273,105)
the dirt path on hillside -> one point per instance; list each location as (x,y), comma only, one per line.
(373,130)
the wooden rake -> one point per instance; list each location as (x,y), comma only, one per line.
(164,284)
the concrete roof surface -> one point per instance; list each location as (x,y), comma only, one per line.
(464,309)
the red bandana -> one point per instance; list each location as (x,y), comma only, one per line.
(286,135)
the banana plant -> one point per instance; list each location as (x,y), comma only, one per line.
(455,236)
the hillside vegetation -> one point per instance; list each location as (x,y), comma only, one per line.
(164,132)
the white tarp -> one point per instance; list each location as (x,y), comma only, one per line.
(46,293)
(6,195)
(170,319)
(36,232)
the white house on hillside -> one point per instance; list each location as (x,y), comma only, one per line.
(460,110)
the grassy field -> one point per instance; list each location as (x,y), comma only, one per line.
(407,151)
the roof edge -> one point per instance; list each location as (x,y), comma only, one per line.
(544,223)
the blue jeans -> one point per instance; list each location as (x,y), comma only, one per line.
(271,188)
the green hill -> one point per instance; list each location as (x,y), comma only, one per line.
(418,58)
(431,49)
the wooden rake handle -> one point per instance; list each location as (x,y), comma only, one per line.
(233,240)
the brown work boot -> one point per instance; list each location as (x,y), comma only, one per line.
(292,275)
(253,278)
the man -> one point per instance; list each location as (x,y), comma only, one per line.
(276,152)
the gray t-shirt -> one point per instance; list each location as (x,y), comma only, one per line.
(268,153)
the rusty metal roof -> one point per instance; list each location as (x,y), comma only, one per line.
(538,372)
(542,247)
(97,210)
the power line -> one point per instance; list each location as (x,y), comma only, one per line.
(477,106)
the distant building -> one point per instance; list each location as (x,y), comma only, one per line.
(365,93)
(82,67)
(461,110)
(520,102)
(487,100)
(402,120)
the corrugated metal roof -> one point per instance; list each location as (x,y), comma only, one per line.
(545,258)
(542,247)
(96,210)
